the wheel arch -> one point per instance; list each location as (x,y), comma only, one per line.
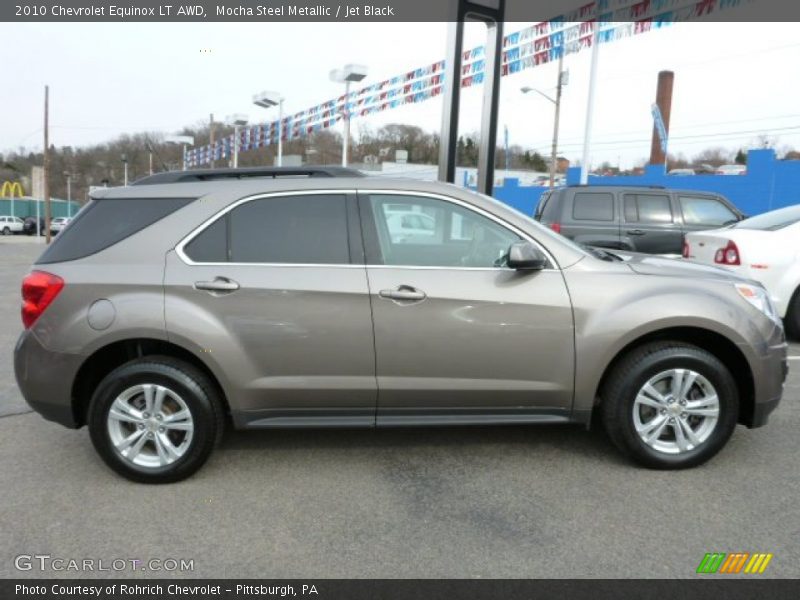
(107,358)
(710,341)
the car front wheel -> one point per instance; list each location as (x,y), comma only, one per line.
(155,419)
(670,405)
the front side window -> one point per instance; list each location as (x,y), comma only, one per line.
(706,211)
(428,232)
(299,229)
(593,207)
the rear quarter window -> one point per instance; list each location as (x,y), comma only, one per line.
(105,222)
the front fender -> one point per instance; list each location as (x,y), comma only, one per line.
(613,310)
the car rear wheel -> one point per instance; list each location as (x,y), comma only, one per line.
(6,231)
(155,419)
(670,405)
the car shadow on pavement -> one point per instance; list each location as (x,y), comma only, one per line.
(540,440)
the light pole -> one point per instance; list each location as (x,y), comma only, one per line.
(183,141)
(347,75)
(68,175)
(237,121)
(124,159)
(563,78)
(268,100)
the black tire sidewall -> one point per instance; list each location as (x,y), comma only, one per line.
(188,385)
(678,358)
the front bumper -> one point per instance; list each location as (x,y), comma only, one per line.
(45,379)
(769,376)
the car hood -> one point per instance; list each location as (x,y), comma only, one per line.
(646,264)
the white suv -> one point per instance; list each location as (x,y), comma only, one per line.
(9,225)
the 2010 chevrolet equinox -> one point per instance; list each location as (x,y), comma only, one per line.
(318,298)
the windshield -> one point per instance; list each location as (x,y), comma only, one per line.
(772,221)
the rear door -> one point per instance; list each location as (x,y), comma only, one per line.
(274,293)
(648,223)
(459,337)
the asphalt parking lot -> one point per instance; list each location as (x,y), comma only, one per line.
(513,502)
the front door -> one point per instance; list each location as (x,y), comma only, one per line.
(458,336)
(274,294)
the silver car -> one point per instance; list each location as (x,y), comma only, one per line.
(192,299)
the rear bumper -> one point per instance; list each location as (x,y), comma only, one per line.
(769,376)
(45,379)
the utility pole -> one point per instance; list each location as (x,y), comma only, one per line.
(554,156)
(46,166)
(211,132)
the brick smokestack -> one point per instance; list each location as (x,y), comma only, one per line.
(666,80)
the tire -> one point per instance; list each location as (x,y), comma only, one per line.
(625,407)
(6,231)
(792,320)
(193,438)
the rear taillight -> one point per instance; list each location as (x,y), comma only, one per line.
(556,227)
(687,250)
(729,255)
(39,289)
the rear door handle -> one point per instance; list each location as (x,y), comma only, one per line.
(635,232)
(220,284)
(404,293)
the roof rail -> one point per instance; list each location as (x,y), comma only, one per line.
(618,185)
(199,175)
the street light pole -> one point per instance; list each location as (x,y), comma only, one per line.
(268,100)
(554,156)
(348,74)
(562,81)
(280,133)
(69,194)
(346,137)
(237,121)
(236,146)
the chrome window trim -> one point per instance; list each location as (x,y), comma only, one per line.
(180,247)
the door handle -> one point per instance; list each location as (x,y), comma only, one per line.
(635,232)
(404,293)
(220,284)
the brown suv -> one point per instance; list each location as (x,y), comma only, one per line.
(167,308)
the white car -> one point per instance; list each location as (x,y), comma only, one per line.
(58,224)
(9,225)
(731,170)
(763,248)
(411,227)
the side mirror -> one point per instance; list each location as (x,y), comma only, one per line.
(524,256)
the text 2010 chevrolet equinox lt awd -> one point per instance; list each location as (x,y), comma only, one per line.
(169,307)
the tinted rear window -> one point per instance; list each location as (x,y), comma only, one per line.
(593,207)
(103,223)
(647,208)
(303,229)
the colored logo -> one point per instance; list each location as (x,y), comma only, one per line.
(737,562)
(11,189)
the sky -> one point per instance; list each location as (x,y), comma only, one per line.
(733,82)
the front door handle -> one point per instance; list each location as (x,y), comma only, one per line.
(220,284)
(636,232)
(404,293)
